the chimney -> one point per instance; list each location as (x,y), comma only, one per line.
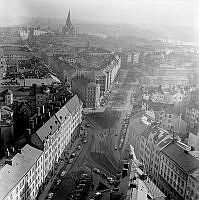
(43,109)
(57,108)
(51,108)
(36,121)
(34,89)
(40,120)
(54,98)
(47,114)
(7,153)
(12,149)
(38,111)
(31,124)
(28,135)
(59,103)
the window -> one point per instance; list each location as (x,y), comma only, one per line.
(16,190)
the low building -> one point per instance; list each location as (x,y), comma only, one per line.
(88,91)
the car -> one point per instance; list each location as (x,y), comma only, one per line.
(116,189)
(63,173)
(50,195)
(73,155)
(115,147)
(103,175)
(87,125)
(84,141)
(58,182)
(110,180)
(81,185)
(78,147)
(70,160)
(80,190)
(84,175)
(83,181)
(97,171)
(97,195)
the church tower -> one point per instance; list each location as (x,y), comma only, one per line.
(68,29)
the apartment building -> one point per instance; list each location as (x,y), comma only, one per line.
(152,140)
(192,191)
(56,134)
(22,175)
(193,138)
(88,91)
(177,167)
(192,114)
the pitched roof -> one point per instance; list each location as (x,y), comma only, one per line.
(183,159)
(22,162)
(73,104)
(153,189)
(48,128)
(63,114)
(158,133)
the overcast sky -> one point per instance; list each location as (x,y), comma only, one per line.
(165,12)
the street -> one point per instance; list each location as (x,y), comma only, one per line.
(101,150)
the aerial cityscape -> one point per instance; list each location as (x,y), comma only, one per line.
(97,109)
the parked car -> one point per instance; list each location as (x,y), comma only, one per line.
(87,125)
(97,171)
(110,180)
(70,160)
(50,195)
(58,182)
(84,175)
(116,189)
(103,175)
(78,147)
(115,147)
(84,141)
(97,195)
(63,173)
(73,155)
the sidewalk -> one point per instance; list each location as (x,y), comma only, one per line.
(62,166)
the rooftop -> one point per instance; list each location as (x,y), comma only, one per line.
(182,158)
(73,104)
(63,114)
(48,128)
(22,162)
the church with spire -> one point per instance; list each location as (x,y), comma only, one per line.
(69,29)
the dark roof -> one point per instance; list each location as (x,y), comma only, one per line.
(62,114)
(73,104)
(158,133)
(48,128)
(183,159)
(165,142)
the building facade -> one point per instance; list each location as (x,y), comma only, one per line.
(88,92)
(22,175)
